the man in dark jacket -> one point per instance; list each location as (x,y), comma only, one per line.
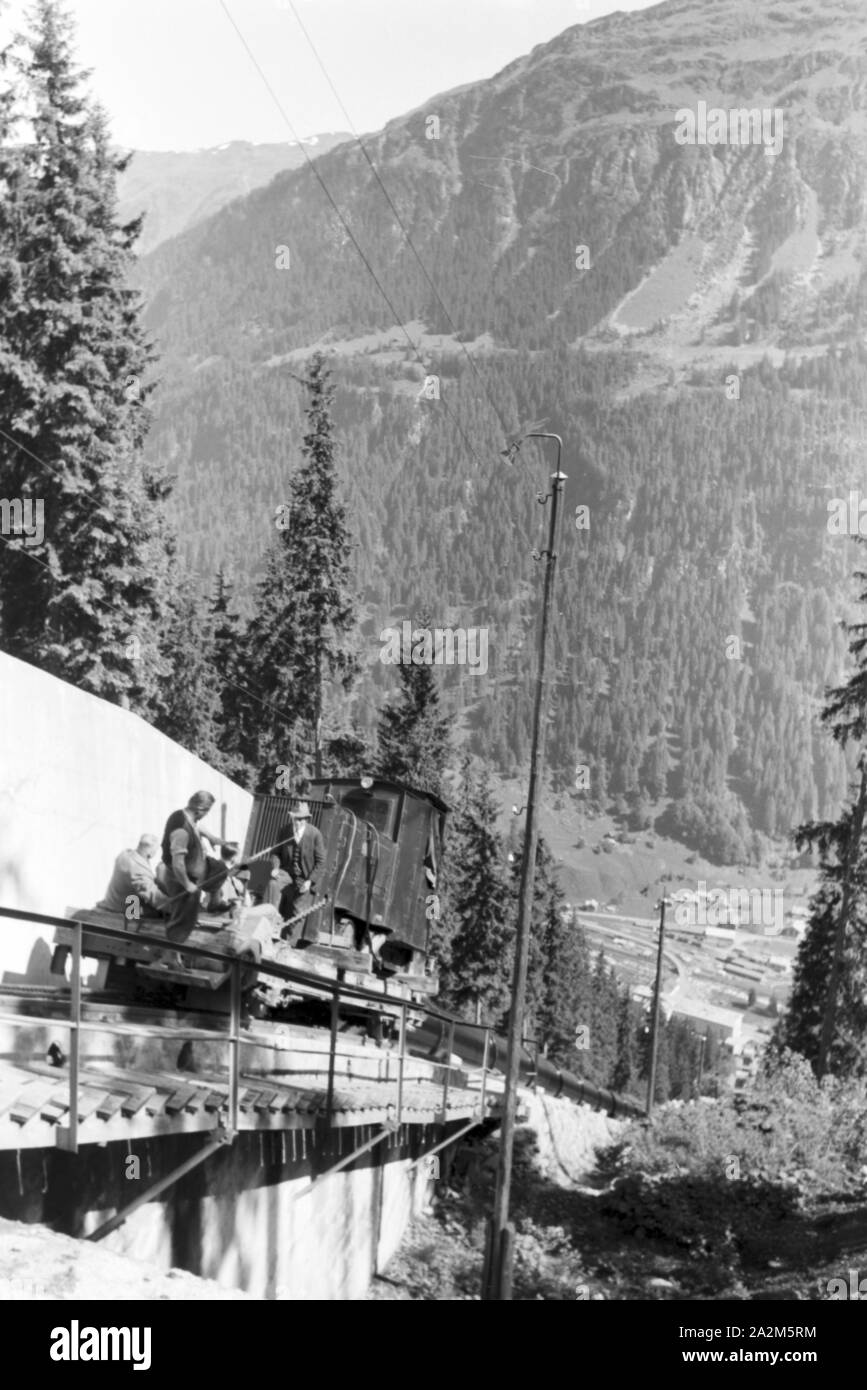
(189,869)
(302,859)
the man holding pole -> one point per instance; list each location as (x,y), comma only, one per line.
(188,869)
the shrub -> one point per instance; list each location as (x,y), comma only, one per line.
(732,1170)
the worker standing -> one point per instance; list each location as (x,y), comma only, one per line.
(302,859)
(188,868)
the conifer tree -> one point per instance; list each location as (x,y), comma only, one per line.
(300,636)
(564,1008)
(826,1020)
(188,705)
(479,909)
(413,734)
(223,637)
(87,603)
(625,1067)
(225,622)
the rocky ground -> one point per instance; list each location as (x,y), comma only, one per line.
(38,1265)
(569,1247)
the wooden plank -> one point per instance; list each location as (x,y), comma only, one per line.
(339,956)
(110,1105)
(248,1100)
(88,1100)
(215,1101)
(419,984)
(56,1106)
(29,1101)
(180,1100)
(133,1101)
(22,1110)
(196,1101)
(201,979)
(267,1101)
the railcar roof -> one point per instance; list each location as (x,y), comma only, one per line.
(382,782)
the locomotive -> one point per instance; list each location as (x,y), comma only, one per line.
(370,926)
(383,845)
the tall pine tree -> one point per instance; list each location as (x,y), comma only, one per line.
(414,739)
(88,602)
(562,1005)
(826,1020)
(479,908)
(301,634)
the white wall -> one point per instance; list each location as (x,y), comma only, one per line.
(80,780)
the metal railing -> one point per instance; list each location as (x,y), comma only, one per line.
(338,992)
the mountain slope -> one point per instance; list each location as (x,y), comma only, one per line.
(573,145)
(178,189)
(704,363)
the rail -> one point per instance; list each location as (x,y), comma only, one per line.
(337,992)
(437,1033)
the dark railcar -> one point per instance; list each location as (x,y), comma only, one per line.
(383,844)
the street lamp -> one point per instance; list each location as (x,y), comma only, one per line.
(497,1277)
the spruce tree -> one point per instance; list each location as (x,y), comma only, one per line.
(300,636)
(558,987)
(188,705)
(625,1067)
(479,908)
(224,637)
(826,1020)
(88,602)
(413,734)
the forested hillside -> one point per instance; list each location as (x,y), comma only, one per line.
(175,189)
(703,361)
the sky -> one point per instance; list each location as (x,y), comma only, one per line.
(176,74)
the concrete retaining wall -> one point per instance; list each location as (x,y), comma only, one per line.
(80,780)
(234,1219)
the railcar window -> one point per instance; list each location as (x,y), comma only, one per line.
(380,811)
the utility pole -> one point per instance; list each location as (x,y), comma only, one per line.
(829,1018)
(701,1061)
(497,1277)
(654,1023)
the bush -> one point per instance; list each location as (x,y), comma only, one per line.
(731,1171)
(705,826)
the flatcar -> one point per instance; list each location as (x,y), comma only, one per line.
(377,898)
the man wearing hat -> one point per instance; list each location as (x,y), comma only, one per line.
(188,869)
(301,858)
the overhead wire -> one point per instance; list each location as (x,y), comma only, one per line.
(399,219)
(312,166)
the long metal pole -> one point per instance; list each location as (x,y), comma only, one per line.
(75,1039)
(654,1025)
(498,1282)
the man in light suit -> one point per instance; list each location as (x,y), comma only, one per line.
(133,877)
